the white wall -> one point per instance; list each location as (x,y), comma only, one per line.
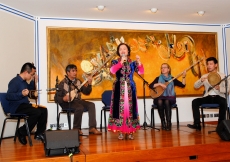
(184,103)
(16,48)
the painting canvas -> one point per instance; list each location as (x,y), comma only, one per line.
(93,49)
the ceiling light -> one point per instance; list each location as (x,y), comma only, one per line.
(200,13)
(153,10)
(100,7)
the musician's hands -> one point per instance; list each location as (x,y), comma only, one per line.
(90,79)
(203,79)
(184,74)
(163,85)
(25,92)
(36,93)
(138,59)
(217,87)
(66,98)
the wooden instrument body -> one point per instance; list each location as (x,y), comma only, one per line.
(214,78)
(158,90)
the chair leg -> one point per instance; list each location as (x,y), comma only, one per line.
(69,119)
(15,136)
(105,121)
(28,132)
(177,117)
(58,127)
(101,121)
(202,116)
(3,127)
(153,118)
(151,122)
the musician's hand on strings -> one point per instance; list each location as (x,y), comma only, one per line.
(25,92)
(163,85)
(217,87)
(184,74)
(90,79)
(138,59)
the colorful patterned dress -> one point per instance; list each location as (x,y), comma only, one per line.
(124,115)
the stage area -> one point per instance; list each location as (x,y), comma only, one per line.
(149,145)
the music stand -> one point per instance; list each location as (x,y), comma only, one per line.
(145,123)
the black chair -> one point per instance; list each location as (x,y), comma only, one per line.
(106,99)
(18,117)
(67,111)
(174,106)
(207,106)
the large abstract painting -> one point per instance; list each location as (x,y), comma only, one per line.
(93,49)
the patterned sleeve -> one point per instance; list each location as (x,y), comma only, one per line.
(115,66)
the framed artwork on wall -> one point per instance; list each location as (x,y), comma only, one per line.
(91,49)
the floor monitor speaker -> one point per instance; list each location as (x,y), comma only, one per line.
(61,142)
(223,130)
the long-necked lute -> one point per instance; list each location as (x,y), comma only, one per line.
(158,90)
(74,93)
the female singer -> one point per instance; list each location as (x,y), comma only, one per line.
(168,98)
(124,117)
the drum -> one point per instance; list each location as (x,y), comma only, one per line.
(213,78)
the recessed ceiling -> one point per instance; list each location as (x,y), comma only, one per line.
(174,11)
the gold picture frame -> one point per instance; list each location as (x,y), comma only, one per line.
(90,48)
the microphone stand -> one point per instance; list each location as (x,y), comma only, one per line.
(69,112)
(56,101)
(56,86)
(145,123)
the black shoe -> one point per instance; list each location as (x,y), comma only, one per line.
(194,126)
(39,137)
(21,137)
(169,126)
(163,125)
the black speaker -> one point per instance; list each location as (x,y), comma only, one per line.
(61,142)
(223,130)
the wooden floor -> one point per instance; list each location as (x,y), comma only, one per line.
(149,145)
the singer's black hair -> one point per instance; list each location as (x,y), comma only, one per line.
(27,67)
(121,45)
(212,59)
(69,67)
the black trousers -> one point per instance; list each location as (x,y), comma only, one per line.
(37,116)
(209,100)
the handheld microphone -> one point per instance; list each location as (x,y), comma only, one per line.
(123,55)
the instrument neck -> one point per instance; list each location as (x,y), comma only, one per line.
(184,70)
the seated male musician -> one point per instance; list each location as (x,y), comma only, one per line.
(75,101)
(17,95)
(212,94)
